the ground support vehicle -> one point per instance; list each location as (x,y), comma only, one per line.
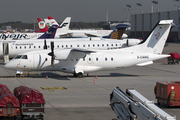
(133,106)
(168,93)
(174,58)
(32,103)
(9,104)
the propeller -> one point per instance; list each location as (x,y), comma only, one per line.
(52,53)
(45,45)
(127,43)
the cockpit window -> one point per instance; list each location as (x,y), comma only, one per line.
(21,57)
(24,57)
(18,57)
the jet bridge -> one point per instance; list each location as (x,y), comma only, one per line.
(132,105)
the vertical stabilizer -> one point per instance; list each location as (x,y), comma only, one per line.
(64,27)
(50,33)
(156,40)
(117,32)
(52,21)
(42,26)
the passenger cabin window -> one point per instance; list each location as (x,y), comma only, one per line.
(96,59)
(111,59)
(34,46)
(24,47)
(58,46)
(39,46)
(105,59)
(29,46)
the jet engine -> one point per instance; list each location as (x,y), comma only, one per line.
(132,42)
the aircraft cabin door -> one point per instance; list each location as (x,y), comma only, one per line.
(5,52)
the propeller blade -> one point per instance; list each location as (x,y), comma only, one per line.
(52,53)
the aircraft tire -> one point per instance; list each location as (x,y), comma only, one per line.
(80,75)
(18,75)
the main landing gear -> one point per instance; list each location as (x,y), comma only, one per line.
(78,75)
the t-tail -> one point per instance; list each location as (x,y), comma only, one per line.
(156,40)
(50,34)
(118,32)
(42,26)
(64,27)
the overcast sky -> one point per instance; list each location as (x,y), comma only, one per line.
(79,10)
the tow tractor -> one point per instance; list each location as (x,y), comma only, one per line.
(132,106)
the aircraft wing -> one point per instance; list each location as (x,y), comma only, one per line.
(92,35)
(67,54)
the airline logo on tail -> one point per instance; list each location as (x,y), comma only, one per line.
(41,25)
(63,25)
(117,34)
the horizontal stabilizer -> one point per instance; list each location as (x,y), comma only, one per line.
(145,63)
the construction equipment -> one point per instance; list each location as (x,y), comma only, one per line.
(168,93)
(132,105)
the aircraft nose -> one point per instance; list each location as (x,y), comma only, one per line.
(11,65)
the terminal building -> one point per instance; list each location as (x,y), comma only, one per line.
(145,22)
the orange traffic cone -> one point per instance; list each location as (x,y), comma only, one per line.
(46,77)
(164,61)
(96,76)
(94,80)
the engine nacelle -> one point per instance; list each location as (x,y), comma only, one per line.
(132,42)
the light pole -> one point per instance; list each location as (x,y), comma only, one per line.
(107,10)
(153,2)
(129,6)
(139,4)
(178,3)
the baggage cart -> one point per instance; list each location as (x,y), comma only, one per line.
(32,104)
(168,93)
(9,104)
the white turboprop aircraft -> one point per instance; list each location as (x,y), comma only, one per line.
(79,61)
(84,33)
(61,31)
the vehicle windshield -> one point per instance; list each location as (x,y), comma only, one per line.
(21,57)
